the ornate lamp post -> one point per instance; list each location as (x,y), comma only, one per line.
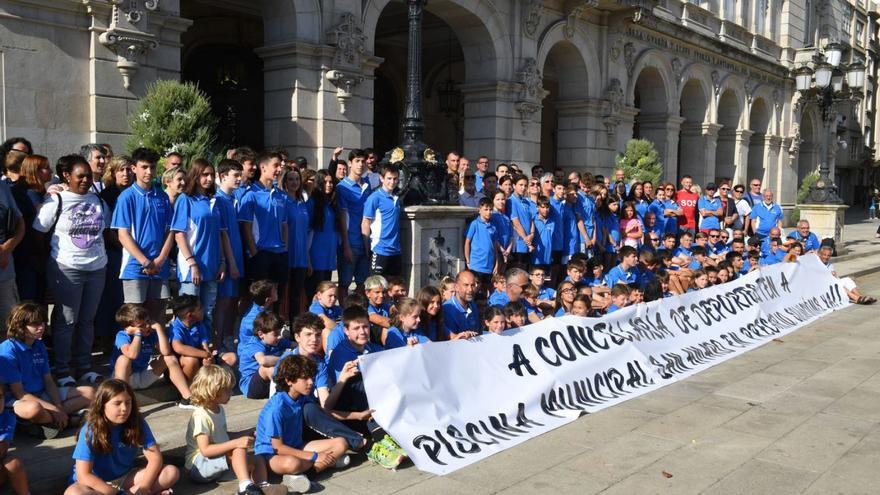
(829,85)
(423,180)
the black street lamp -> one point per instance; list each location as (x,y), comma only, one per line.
(423,180)
(826,86)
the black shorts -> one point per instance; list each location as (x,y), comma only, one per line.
(386,265)
(257,388)
(267,265)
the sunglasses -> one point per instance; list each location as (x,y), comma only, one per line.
(739,190)
(713,236)
(725,189)
(654,239)
(756,185)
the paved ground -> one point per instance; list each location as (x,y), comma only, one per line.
(797,416)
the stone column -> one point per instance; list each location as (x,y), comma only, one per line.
(710,140)
(493,127)
(663,131)
(584,140)
(741,155)
(772,165)
(725,153)
(692,156)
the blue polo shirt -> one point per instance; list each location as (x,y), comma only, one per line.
(479,181)
(322,378)
(429,329)
(497,298)
(246,328)
(767,217)
(7,425)
(247,361)
(346,352)
(771,258)
(457,319)
(199,218)
(704,203)
(656,207)
(22,364)
(618,274)
(350,197)
(671,222)
(334,312)
(556,207)
(613,308)
(545,231)
(298,234)
(281,417)
(568,228)
(483,237)
(586,210)
(118,461)
(522,211)
(147,216)
(193,336)
(266,211)
(398,338)
(546,294)
(148,344)
(811,242)
(503,228)
(381,310)
(641,208)
(241,191)
(609,224)
(324,241)
(384,210)
(335,337)
(226,204)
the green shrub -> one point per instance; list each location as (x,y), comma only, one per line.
(802,194)
(640,161)
(173,116)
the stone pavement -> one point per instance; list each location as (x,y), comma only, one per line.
(801,415)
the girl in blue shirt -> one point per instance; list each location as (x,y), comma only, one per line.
(405,325)
(323,235)
(108,444)
(609,228)
(201,237)
(431,319)
(324,305)
(297,240)
(503,226)
(637,196)
(565,294)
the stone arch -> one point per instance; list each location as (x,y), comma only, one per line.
(651,64)
(808,151)
(289,20)
(563,119)
(478,26)
(728,116)
(657,120)
(586,55)
(760,114)
(693,156)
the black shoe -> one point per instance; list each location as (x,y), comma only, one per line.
(251,489)
(185,404)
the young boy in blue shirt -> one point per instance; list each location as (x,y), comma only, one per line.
(351,194)
(229,173)
(626,271)
(375,287)
(482,245)
(619,297)
(381,223)
(279,436)
(710,209)
(545,226)
(522,219)
(258,356)
(142,219)
(264,294)
(191,340)
(132,359)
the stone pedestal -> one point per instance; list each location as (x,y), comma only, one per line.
(432,239)
(826,220)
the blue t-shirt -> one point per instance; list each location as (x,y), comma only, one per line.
(322,378)
(398,338)
(350,197)
(193,336)
(457,319)
(618,274)
(546,294)
(709,222)
(383,309)
(118,461)
(543,241)
(334,312)
(428,328)
(586,211)
(281,417)
(148,344)
(247,360)
(503,228)
(811,242)
(613,308)
(7,425)
(335,337)
(521,210)
(771,258)
(671,222)
(22,364)
(298,233)
(246,328)
(656,207)
(568,229)
(346,352)
(483,236)
(147,216)
(199,218)
(768,217)
(226,204)
(641,208)
(608,225)
(384,210)
(324,241)
(498,298)
(556,207)
(266,210)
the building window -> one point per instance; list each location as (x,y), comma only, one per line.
(808,23)
(846,19)
(854,150)
(860,32)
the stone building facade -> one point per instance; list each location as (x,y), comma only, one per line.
(564,83)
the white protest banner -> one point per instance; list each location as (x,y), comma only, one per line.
(450,404)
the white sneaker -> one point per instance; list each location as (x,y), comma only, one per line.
(297,483)
(342,462)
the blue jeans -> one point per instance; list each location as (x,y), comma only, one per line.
(77,294)
(206,291)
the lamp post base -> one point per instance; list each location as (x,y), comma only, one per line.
(826,221)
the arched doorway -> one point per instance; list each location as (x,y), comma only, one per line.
(218,55)
(653,120)
(759,123)
(808,154)
(725,150)
(692,159)
(562,126)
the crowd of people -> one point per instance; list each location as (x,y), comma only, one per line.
(243,254)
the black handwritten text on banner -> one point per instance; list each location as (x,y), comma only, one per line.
(450,404)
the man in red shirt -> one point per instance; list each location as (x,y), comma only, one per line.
(687,200)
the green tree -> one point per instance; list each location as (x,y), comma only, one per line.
(802,194)
(173,116)
(640,161)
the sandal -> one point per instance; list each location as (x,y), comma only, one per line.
(91,378)
(863,300)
